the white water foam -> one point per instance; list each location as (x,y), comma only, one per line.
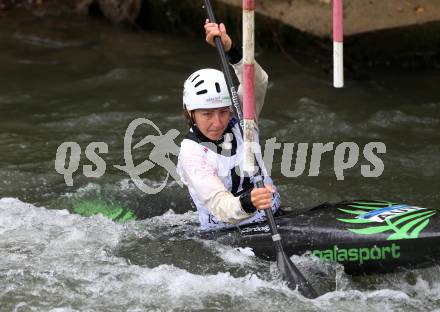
(236,256)
(51,260)
(70,257)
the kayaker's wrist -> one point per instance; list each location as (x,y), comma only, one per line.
(246,202)
(234,54)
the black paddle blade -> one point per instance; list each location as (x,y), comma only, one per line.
(290,273)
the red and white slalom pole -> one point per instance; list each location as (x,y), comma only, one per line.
(248,84)
(338,45)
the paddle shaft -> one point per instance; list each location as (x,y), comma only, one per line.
(294,278)
(226,72)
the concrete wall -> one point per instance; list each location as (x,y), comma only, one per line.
(314,16)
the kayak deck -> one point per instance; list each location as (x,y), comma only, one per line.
(366,236)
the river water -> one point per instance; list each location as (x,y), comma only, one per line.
(80,80)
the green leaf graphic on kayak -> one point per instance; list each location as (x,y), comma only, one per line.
(117,213)
(401,225)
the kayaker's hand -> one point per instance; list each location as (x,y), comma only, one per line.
(212,30)
(261,198)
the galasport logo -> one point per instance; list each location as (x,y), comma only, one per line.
(397,220)
(346,156)
(360,254)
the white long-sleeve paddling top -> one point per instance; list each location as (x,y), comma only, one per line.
(211,171)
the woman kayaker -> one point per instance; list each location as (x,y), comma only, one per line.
(212,151)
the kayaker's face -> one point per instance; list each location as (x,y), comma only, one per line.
(212,122)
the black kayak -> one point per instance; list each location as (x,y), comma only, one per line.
(366,236)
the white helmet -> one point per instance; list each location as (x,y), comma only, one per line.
(204,89)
